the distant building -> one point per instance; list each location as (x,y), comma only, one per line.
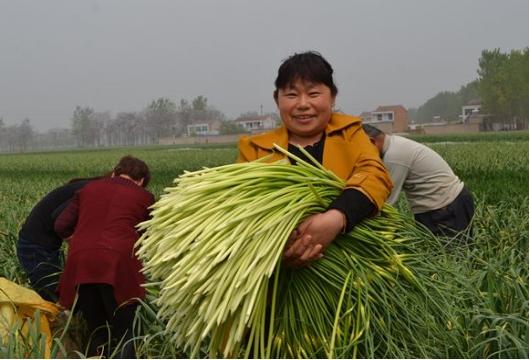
(204,128)
(256,123)
(366,116)
(388,118)
(470,111)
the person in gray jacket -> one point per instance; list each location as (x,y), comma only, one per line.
(437,197)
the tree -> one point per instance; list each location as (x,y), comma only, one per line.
(24,135)
(413,114)
(503,86)
(517,77)
(160,115)
(446,104)
(11,138)
(15,138)
(128,128)
(3,139)
(200,103)
(81,127)
(231,127)
(97,123)
(183,117)
(198,112)
(56,138)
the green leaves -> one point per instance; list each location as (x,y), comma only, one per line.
(484,285)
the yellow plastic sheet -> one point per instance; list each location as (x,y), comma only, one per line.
(19,304)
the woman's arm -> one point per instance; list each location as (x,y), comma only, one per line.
(369,175)
(367,188)
(65,223)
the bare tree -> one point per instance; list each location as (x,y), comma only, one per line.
(97,123)
(81,125)
(3,138)
(24,134)
(126,123)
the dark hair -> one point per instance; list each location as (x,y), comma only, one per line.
(135,168)
(74,180)
(307,66)
(372,131)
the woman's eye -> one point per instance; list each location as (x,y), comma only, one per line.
(314,94)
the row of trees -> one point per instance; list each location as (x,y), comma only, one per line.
(161,118)
(446,104)
(502,87)
(90,128)
(16,138)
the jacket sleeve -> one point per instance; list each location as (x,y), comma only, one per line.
(355,205)
(369,174)
(65,223)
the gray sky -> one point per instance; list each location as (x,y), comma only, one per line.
(119,55)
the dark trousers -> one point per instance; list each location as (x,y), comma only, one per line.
(106,321)
(452,218)
(42,266)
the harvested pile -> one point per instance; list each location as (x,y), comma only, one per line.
(213,248)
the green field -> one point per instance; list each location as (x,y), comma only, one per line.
(493,269)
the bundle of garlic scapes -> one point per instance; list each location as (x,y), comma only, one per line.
(216,238)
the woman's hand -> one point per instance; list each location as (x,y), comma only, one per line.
(311,238)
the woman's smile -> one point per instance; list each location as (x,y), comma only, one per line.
(304,118)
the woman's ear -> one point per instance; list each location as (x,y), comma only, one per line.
(275,96)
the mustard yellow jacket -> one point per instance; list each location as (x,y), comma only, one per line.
(348,152)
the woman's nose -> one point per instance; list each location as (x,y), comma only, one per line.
(303,101)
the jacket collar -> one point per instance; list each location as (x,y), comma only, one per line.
(280,135)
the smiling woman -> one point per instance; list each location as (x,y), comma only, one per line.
(305,95)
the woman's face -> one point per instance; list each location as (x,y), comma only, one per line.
(305,109)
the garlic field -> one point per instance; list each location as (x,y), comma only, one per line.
(486,280)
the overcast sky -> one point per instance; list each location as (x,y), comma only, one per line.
(119,55)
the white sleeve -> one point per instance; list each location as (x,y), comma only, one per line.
(398,173)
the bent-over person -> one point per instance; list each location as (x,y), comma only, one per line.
(101,266)
(437,197)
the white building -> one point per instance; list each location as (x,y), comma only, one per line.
(256,123)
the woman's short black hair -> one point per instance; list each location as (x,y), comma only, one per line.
(306,66)
(135,168)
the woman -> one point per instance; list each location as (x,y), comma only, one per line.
(305,95)
(101,265)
